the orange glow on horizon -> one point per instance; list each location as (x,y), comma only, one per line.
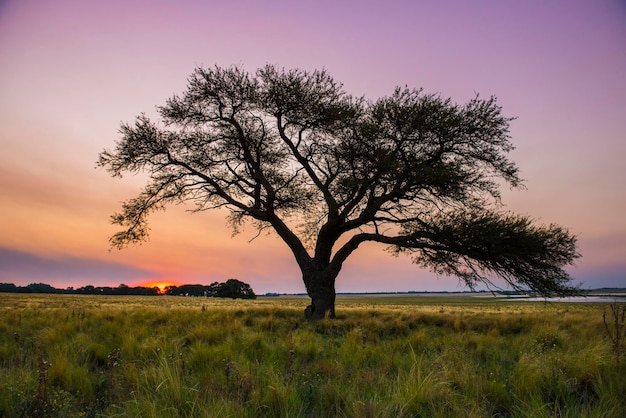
(161,285)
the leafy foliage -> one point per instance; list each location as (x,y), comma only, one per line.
(472,245)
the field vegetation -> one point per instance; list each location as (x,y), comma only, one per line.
(384,356)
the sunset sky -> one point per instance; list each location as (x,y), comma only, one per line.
(71,71)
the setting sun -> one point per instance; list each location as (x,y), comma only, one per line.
(162,285)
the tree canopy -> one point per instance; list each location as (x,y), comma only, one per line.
(292,152)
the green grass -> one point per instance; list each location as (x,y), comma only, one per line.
(385,356)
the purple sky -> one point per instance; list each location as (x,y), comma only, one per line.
(71,71)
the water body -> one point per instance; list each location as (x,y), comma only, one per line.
(581,299)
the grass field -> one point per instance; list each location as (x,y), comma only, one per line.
(385,356)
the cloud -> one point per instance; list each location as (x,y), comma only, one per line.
(22,268)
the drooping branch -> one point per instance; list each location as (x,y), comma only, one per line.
(481,245)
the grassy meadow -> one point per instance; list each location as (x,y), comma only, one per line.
(385,356)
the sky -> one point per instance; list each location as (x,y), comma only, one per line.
(72,71)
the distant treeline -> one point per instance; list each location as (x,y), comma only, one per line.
(230,289)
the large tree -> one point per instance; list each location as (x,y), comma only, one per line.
(291,151)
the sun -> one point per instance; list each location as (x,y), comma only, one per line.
(161,285)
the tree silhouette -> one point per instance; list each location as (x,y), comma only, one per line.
(234,289)
(291,151)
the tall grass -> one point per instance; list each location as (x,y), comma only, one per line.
(84,356)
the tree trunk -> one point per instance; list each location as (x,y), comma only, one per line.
(321,288)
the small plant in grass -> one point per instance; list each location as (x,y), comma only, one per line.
(41,400)
(616,329)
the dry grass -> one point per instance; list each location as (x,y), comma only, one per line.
(385,356)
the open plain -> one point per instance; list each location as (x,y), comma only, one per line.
(384,356)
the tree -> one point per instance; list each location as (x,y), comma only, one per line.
(234,289)
(8,288)
(188,290)
(291,151)
(42,288)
